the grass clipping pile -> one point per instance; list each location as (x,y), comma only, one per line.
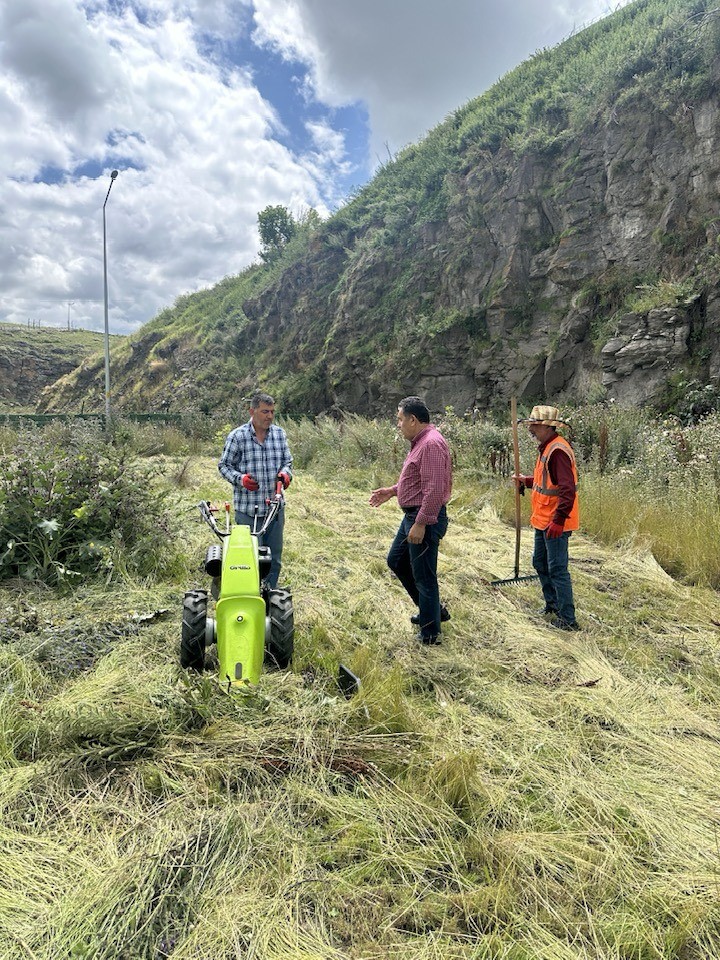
(515,793)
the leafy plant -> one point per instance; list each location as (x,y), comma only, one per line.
(690,400)
(83,508)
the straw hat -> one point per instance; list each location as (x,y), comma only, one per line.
(548,416)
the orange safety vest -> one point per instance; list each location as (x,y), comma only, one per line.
(544,498)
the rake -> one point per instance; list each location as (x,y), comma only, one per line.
(516,452)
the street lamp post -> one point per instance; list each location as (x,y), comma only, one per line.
(113,175)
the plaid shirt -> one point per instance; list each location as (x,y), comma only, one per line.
(243,453)
(426,477)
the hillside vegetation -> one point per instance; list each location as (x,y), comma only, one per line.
(31,358)
(497,256)
(514,794)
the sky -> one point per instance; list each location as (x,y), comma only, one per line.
(210,110)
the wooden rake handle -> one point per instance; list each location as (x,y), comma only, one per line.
(516,454)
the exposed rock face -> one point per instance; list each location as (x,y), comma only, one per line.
(510,269)
(646,349)
(33,358)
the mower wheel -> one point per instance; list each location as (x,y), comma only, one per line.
(279,648)
(192,643)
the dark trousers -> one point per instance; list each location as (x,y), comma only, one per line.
(273,538)
(415,566)
(550,559)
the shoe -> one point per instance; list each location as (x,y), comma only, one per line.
(546,612)
(444,616)
(564,625)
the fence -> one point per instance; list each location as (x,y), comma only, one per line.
(40,419)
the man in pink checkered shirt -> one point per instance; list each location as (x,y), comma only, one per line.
(423,490)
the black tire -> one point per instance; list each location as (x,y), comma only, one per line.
(192,643)
(279,648)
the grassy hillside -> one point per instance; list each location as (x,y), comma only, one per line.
(31,358)
(653,55)
(514,794)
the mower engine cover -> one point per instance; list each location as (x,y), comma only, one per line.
(240,610)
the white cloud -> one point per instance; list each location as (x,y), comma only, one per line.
(49,49)
(196,144)
(413,61)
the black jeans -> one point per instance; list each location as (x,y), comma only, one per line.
(415,566)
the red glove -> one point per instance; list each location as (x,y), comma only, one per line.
(554,530)
(285,478)
(249,482)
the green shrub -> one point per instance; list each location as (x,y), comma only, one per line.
(690,400)
(76,507)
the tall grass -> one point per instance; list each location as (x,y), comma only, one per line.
(680,527)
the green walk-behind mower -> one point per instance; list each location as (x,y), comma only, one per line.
(252,624)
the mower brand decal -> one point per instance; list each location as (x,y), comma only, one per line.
(240,566)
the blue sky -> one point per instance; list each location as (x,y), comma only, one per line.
(211,110)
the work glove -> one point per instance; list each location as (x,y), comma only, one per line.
(285,478)
(554,530)
(249,482)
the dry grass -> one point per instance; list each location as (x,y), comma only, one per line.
(516,793)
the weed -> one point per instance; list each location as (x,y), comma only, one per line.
(72,507)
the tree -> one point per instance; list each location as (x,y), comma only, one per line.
(277,227)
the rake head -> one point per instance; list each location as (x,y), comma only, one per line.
(513,581)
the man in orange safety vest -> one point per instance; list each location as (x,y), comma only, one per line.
(554,514)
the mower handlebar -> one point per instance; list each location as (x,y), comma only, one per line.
(274,505)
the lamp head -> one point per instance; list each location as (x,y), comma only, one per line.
(113,174)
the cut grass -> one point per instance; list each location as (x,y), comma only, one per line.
(514,793)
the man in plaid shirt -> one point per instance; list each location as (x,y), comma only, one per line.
(255,457)
(423,489)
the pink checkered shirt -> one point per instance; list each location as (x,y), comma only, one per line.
(426,477)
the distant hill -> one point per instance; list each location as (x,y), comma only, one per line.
(31,358)
(556,237)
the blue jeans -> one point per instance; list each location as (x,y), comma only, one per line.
(273,538)
(415,566)
(550,559)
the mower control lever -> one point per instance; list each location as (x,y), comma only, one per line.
(206,512)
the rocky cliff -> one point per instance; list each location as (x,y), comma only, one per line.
(518,290)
